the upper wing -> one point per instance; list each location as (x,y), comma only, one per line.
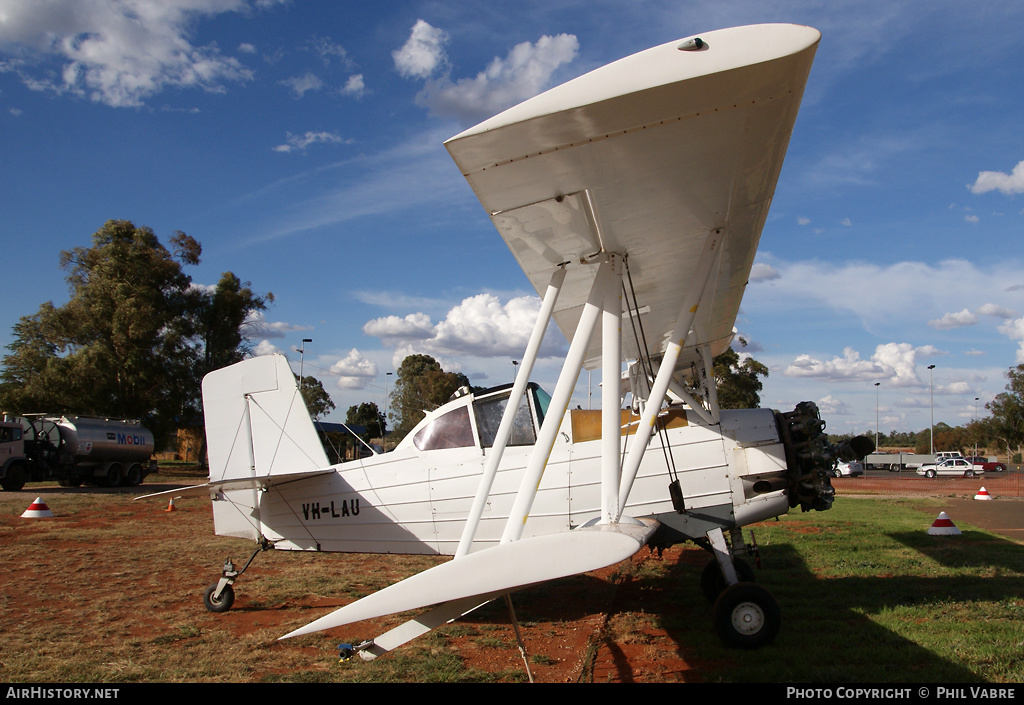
(645,157)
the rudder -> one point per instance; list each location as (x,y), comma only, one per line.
(257,424)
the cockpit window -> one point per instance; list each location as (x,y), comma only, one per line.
(488,417)
(451,430)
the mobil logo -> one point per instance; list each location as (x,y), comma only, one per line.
(130,439)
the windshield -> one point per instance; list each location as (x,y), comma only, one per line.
(541,400)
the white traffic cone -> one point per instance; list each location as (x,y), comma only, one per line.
(983,494)
(943,526)
(38,510)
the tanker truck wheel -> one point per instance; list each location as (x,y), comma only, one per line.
(227,598)
(14,480)
(113,476)
(134,476)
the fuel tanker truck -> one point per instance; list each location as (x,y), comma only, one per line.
(73,450)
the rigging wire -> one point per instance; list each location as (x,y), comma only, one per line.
(647,368)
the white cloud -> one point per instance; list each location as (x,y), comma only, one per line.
(830,406)
(329,51)
(422,53)
(257,326)
(355,86)
(877,294)
(522,74)
(896,363)
(354,371)
(300,142)
(417,326)
(997,311)
(480,326)
(966,318)
(115,52)
(1014,330)
(762,272)
(954,320)
(1009,184)
(265,347)
(300,85)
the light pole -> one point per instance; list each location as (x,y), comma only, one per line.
(976,426)
(515,369)
(383,431)
(302,352)
(876,414)
(931,402)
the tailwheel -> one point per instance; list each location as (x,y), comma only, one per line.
(747,616)
(220,596)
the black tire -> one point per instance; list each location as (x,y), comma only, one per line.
(133,478)
(14,478)
(113,476)
(969,473)
(929,473)
(227,598)
(712,582)
(746,616)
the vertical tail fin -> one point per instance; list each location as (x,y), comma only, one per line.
(257,423)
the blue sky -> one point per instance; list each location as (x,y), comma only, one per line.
(300,141)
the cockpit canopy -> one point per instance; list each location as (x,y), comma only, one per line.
(472,420)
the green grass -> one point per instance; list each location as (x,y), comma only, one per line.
(868,596)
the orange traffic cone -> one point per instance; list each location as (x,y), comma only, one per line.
(170,506)
(983,494)
(943,526)
(37,510)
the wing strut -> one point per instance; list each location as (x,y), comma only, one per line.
(559,402)
(680,330)
(505,427)
(611,398)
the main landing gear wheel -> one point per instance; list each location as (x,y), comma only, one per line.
(712,582)
(747,616)
(221,604)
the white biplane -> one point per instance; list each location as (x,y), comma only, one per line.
(633,197)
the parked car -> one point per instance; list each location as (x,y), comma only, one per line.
(951,466)
(985,464)
(851,469)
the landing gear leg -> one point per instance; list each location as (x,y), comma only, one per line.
(221,595)
(745,614)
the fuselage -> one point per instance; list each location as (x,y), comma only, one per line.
(415,498)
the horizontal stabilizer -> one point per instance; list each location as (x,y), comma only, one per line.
(210,489)
(505,567)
